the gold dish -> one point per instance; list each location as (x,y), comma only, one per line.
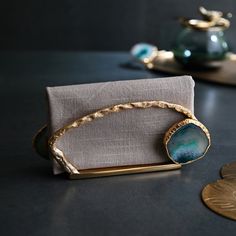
(220,196)
(226,74)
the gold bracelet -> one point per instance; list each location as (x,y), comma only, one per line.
(185,141)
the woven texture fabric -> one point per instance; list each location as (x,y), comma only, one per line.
(125,138)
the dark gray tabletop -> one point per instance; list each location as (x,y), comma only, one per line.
(34,202)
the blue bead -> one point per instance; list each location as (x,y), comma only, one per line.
(187,144)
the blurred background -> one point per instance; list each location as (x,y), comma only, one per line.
(100,25)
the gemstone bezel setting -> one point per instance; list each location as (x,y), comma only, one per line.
(174,128)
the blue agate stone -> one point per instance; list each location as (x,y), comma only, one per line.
(187,144)
(142,51)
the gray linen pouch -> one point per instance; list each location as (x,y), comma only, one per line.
(125,138)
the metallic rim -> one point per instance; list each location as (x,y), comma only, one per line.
(58,154)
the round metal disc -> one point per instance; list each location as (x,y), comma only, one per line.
(220,197)
(228,171)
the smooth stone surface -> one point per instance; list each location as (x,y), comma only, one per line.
(188,143)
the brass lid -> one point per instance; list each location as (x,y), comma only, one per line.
(211,19)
